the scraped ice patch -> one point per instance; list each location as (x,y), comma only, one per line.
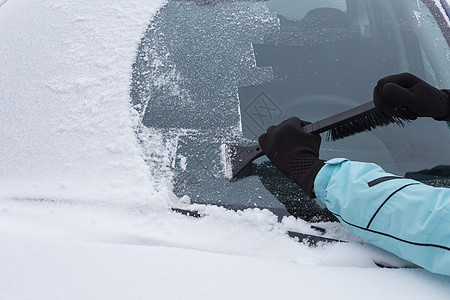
(418,16)
(183,162)
(225,159)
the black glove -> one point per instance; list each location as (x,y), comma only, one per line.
(408,96)
(294,152)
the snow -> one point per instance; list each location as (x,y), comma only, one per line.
(440,4)
(80,217)
(171,273)
(66,123)
(64,251)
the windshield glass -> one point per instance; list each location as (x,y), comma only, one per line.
(209,72)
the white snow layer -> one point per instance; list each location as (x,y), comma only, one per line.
(81,219)
(66,127)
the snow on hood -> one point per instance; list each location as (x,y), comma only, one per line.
(66,127)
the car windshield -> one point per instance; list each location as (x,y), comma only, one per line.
(210,72)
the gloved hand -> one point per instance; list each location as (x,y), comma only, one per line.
(294,152)
(408,96)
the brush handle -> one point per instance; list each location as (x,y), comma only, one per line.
(327,123)
(360,118)
(340,118)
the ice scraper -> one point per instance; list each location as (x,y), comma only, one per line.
(361,118)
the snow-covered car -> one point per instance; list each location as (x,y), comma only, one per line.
(211,72)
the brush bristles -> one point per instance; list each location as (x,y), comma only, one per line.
(363,123)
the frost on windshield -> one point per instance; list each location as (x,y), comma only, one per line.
(192,61)
(188,70)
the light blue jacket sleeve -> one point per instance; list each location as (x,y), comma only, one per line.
(402,216)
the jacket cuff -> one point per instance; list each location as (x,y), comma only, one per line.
(324,175)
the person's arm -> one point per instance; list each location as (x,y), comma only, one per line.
(403,216)
(400,215)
